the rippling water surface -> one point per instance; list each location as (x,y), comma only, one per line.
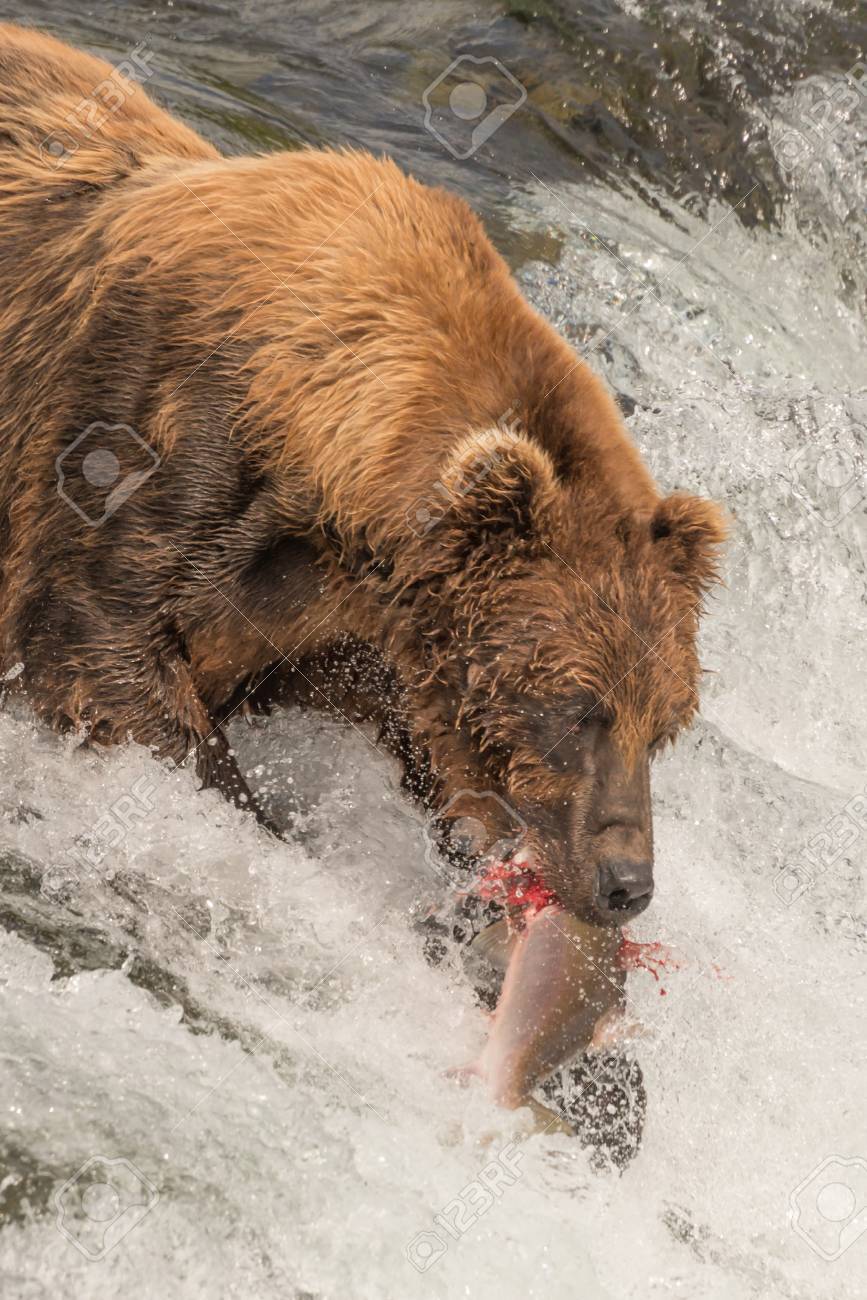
(252,1025)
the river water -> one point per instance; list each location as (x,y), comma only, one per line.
(223,1057)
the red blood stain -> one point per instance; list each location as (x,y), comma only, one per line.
(517,888)
(521,890)
(653,957)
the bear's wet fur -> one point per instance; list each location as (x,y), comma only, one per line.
(323,416)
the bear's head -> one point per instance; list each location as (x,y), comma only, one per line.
(572,622)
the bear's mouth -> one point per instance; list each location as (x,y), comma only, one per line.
(622,888)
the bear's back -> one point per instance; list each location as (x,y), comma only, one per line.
(363,322)
(56,103)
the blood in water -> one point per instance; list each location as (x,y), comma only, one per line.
(653,957)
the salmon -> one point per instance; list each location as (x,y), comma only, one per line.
(562,986)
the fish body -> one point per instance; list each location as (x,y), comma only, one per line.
(562,977)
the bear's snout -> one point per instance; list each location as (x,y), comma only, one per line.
(624,887)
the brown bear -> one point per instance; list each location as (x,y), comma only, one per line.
(256,412)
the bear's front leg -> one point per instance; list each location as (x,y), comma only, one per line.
(170,716)
(145,693)
(217,768)
(472,818)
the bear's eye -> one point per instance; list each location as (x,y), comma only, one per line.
(568,754)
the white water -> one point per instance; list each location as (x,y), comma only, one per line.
(299,1152)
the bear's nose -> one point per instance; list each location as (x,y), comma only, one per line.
(624,886)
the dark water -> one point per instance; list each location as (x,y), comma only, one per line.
(673,96)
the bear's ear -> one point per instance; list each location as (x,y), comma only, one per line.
(497,482)
(690,530)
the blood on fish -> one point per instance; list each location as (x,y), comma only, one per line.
(516,887)
(521,890)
